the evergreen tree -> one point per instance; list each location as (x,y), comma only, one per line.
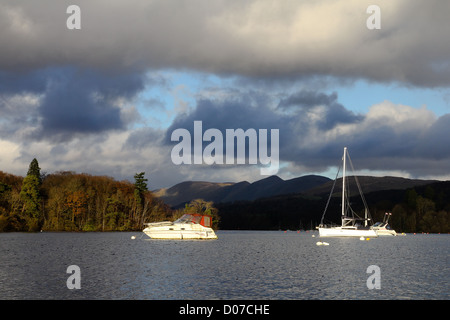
(140,187)
(30,196)
(140,183)
(34,170)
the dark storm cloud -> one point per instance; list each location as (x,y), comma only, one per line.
(388,137)
(142,138)
(238,110)
(259,38)
(72,100)
(307,100)
(23,82)
(245,110)
(436,142)
(83,101)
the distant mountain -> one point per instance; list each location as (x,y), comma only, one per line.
(368,184)
(310,185)
(183,192)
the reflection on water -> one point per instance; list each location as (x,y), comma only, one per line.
(239,265)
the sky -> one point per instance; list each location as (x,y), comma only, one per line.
(105,98)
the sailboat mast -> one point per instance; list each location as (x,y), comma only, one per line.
(343,185)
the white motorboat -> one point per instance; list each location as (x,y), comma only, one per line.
(351,224)
(383,228)
(189,226)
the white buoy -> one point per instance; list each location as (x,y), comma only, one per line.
(362,239)
(313,236)
(322,243)
(133,237)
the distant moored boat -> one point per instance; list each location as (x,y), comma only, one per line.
(351,224)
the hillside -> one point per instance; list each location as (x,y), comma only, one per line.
(183,192)
(369,184)
(309,185)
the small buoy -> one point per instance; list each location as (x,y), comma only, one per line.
(313,236)
(133,237)
(361,238)
(367,239)
(322,243)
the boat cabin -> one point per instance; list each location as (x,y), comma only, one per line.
(382,225)
(203,220)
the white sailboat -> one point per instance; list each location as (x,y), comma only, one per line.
(351,224)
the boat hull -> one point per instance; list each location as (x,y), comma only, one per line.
(347,232)
(180,233)
(386,232)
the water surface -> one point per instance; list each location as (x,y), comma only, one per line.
(239,265)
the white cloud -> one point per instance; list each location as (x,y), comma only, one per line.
(401,119)
(397,114)
(9,152)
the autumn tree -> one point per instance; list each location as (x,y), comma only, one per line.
(77,202)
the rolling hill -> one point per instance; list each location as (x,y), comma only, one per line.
(183,192)
(310,185)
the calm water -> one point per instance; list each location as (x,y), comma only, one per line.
(239,265)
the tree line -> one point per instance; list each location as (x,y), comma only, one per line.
(419,209)
(68,201)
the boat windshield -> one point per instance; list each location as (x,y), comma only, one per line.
(377,224)
(382,225)
(189,218)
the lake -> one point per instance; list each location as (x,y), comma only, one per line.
(260,265)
